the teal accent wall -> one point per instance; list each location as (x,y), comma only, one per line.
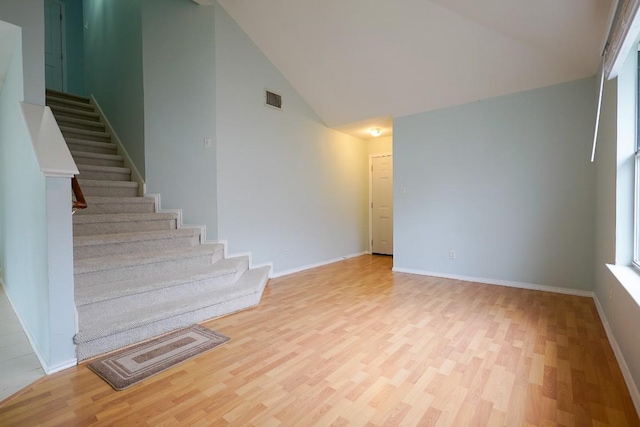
(75,46)
(113,69)
(505,182)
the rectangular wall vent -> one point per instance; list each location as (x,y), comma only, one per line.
(272,99)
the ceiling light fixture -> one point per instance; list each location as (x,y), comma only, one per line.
(375,132)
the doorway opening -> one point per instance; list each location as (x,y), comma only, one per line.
(381,204)
(54,46)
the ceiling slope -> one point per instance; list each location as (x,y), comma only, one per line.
(355,61)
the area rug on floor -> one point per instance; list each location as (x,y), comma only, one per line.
(131,365)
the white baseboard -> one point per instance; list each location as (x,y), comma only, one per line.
(318,264)
(34,344)
(242,254)
(521,285)
(203,231)
(62,366)
(203,228)
(128,163)
(626,373)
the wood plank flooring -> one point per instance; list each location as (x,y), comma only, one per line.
(354,344)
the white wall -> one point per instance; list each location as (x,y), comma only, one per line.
(61,324)
(36,263)
(179,103)
(290,190)
(113,68)
(23,232)
(605,242)
(614,224)
(29,15)
(504,182)
(380,145)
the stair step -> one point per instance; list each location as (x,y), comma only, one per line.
(136,275)
(84,225)
(59,111)
(115,268)
(65,95)
(97,159)
(170,286)
(104,188)
(90,135)
(102,331)
(68,103)
(78,123)
(103,173)
(113,205)
(91,146)
(101,245)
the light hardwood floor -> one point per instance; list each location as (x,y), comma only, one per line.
(354,344)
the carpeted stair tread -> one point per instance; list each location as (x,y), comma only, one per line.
(109,173)
(113,205)
(88,133)
(71,112)
(99,245)
(91,146)
(117,290)
(96,339)
(112,262)
(251,283)
(89,155)
(77,123)
(108,223)
(127,217)
(103,239)
(106,169)
(134,200)
(67,103)
(65,95)
(132,265)
(136,274)
(106,183)
(99,159)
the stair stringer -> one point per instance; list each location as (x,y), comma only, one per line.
(142,191)
(203,235)
(126,326)
(136,176)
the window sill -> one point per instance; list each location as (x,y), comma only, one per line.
(629,278)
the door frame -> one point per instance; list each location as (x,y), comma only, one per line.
(63,42)
(370,205)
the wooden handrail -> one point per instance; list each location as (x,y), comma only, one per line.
(79,202)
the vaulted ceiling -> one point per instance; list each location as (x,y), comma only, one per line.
(358,63)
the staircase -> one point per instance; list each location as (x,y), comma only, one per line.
(136,274)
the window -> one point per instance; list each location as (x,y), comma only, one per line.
(636,213)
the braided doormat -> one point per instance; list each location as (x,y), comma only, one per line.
(131,365)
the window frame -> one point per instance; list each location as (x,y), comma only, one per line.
(636,211)
(636,183)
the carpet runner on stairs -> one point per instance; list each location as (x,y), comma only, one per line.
(136,274)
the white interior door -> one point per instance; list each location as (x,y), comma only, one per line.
(53,54)
(382,205)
